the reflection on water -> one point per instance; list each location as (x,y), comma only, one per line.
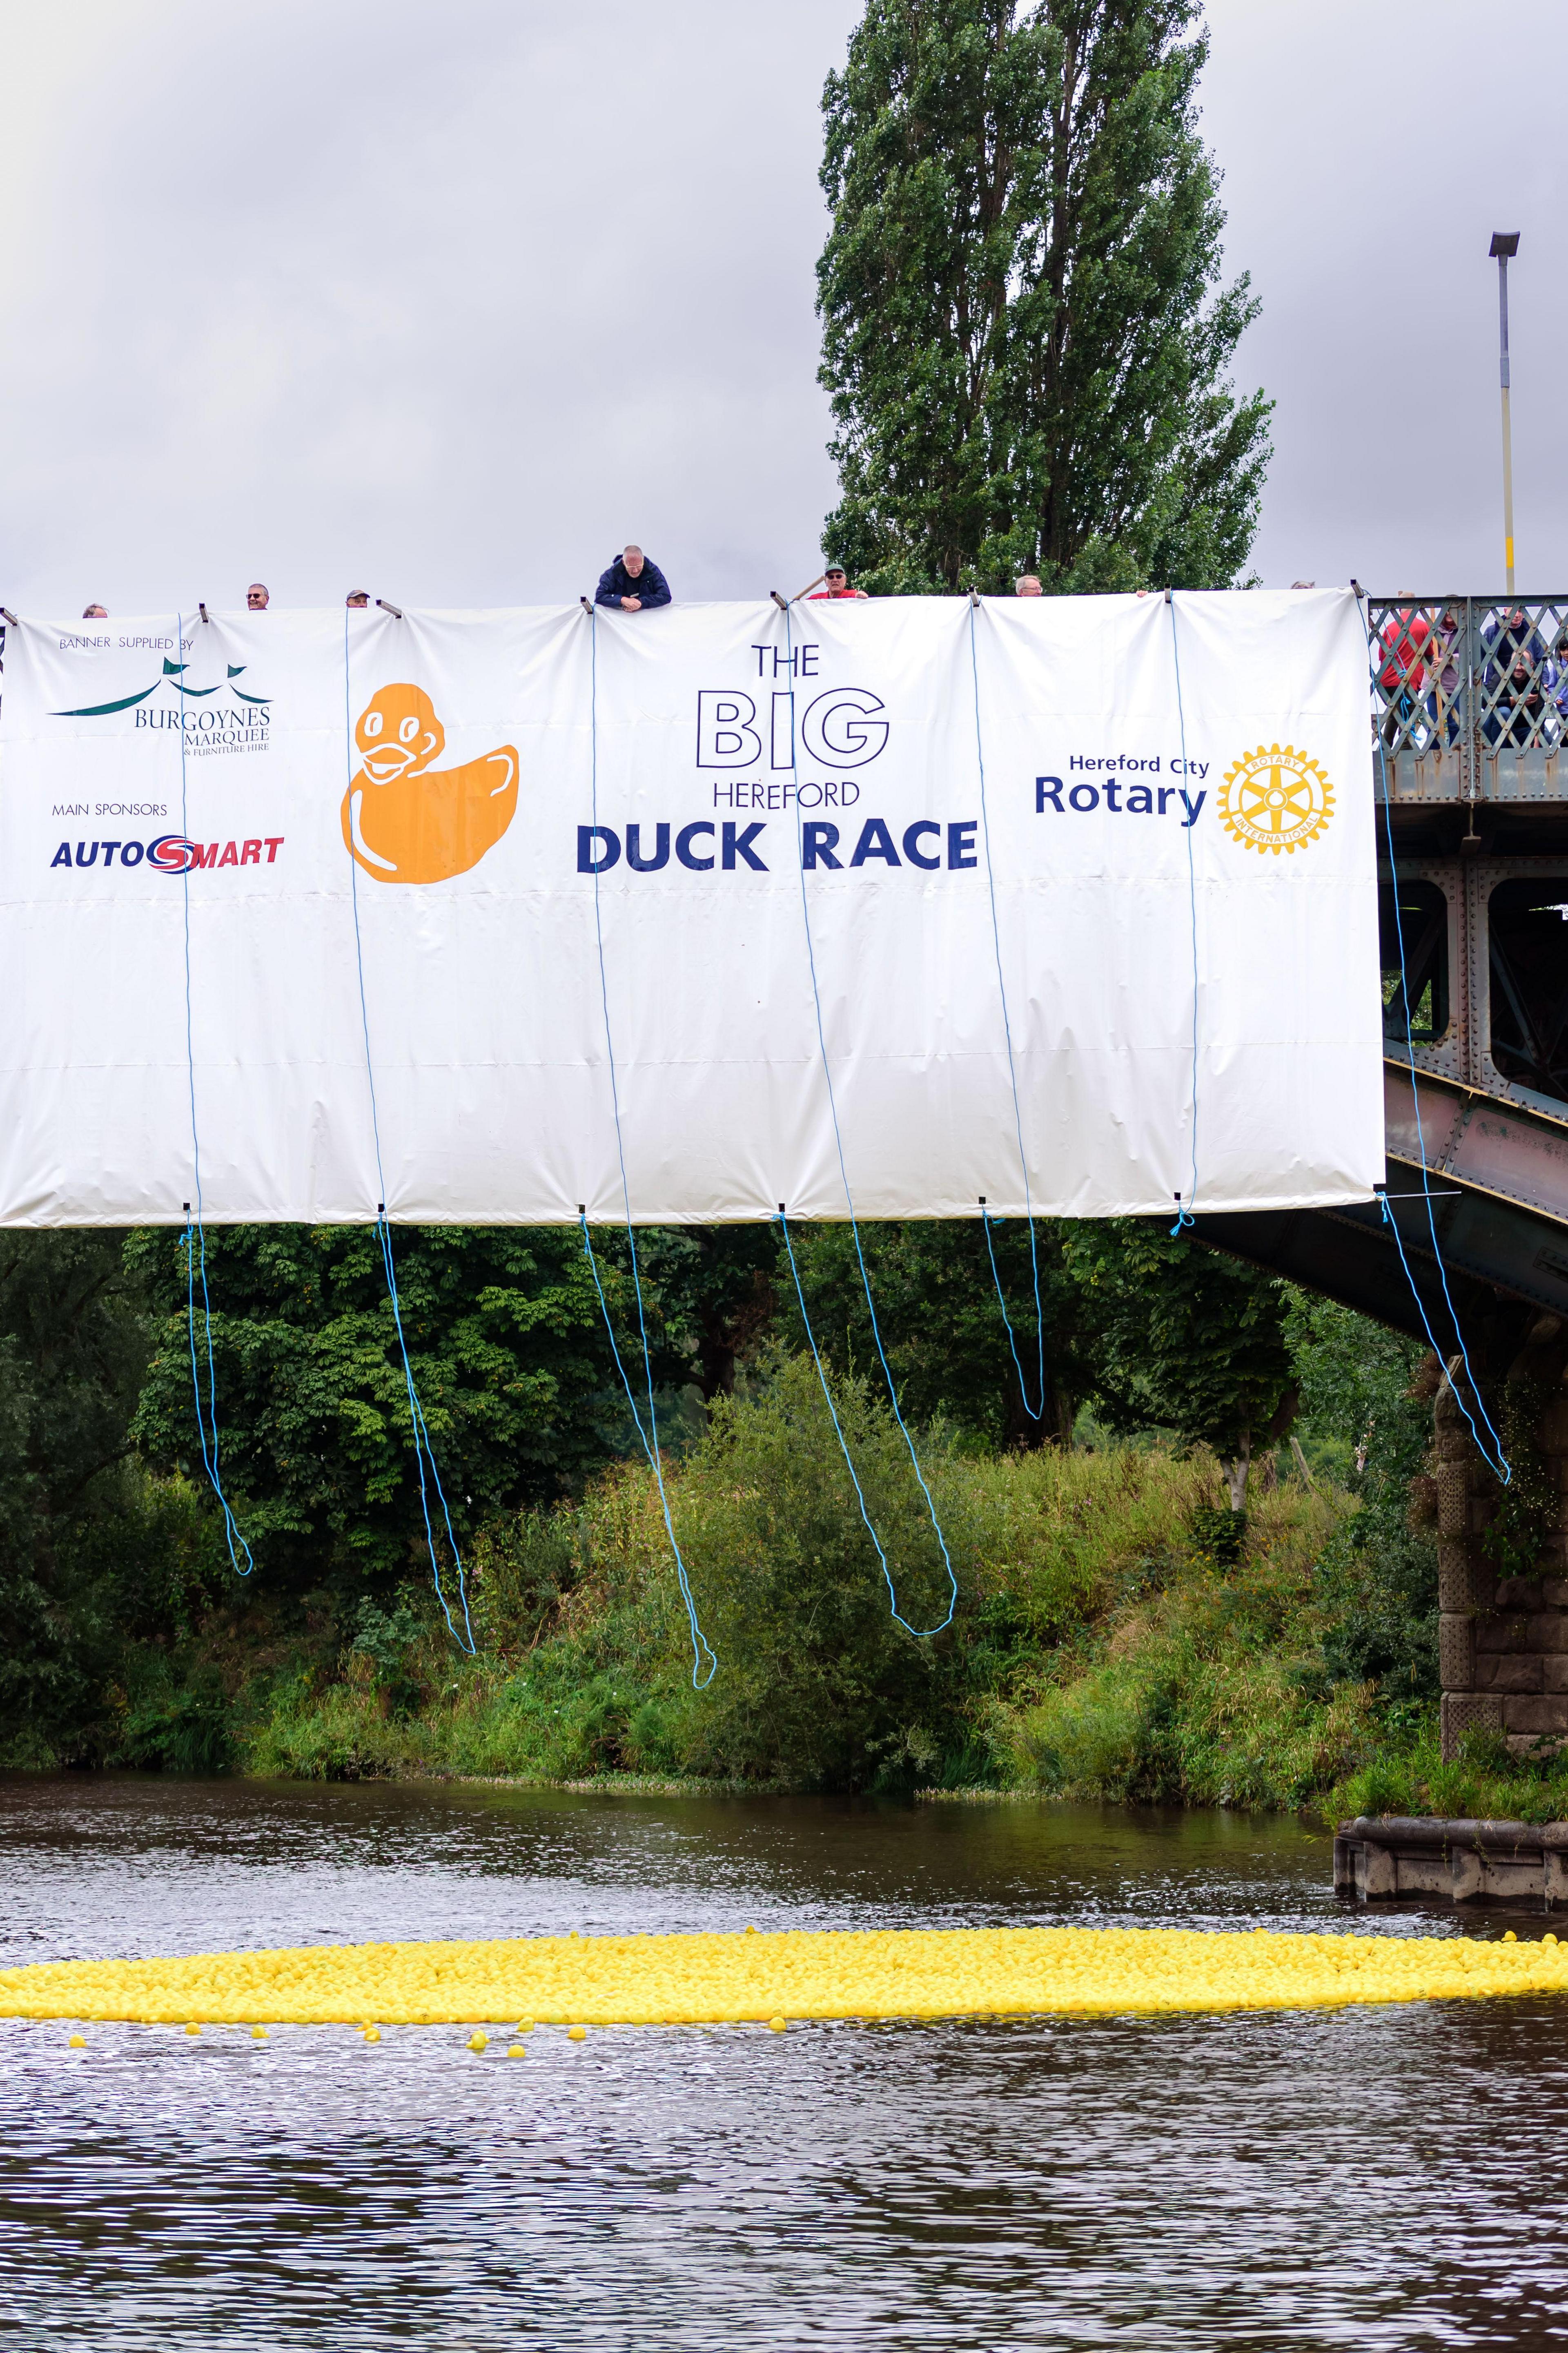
(1379,2178)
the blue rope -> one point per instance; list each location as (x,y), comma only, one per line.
(701,1648)
(1183,1215)
(849,1197)
(423,1450)
(700,1644)
(1501,1468)
(1033,1412)
(838,1432)
(195,1232)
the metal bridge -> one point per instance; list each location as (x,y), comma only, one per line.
(1469,718)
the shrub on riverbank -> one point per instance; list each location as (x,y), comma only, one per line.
(1095,1649)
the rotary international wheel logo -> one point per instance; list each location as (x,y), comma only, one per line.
(1276,799)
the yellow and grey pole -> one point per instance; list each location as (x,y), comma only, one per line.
(1504,246)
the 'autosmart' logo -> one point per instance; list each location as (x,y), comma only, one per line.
(172,853)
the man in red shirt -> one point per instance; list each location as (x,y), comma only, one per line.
(835,584)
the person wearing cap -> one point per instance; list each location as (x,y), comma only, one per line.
(358,599)
(632,584)
(256,597)
(834,583)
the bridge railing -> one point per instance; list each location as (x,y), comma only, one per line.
(1469,696)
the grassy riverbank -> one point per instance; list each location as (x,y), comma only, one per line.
(1100,1646)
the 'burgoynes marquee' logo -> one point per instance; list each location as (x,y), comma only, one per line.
(206,725)
(405,821)
(1274,800)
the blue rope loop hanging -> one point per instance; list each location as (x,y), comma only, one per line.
(701,1648)
(923,1632)
(1500,1468)
(1185,1213)
(424,1452)
(849,1200)
(1035,1412)
(196,1255)
(195,1232)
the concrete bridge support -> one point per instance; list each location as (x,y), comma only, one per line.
(1503,1623)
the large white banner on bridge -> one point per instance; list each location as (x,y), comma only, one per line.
(778,889)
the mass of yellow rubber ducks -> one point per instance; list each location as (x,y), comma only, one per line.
(769,1980)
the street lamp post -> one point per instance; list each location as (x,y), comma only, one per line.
(1504,246)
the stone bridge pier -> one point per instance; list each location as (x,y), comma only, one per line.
(1502,1555)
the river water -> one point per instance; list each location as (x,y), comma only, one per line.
(1377,2178)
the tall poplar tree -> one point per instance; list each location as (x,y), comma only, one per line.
(1024,334)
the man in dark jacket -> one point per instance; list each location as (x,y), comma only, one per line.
(633,584)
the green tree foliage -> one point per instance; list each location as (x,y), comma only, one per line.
(1188,1340)
(817,1681)
(509,1355)
(712,1290)
(1367,1412)
(1022,335)
(941,1324)
(73,1343)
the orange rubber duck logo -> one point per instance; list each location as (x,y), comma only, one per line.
(406,822)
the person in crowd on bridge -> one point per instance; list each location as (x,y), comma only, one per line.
(357,599)
(256,598)
(834,583)
(632,584)
(1403,633)
(95,612)
(1443,669)
(1028,585)
(1514,697)
(1557,685)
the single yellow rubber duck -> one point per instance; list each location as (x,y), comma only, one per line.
(406,822)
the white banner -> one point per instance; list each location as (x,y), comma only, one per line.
(756,857)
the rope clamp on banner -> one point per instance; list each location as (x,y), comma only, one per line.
(782,602)
(396,610)
(587,607)
(7,614)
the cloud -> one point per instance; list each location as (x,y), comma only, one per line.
(453,302)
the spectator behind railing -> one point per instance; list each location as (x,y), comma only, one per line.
(1027,585)
(357,599)
(633,584)
(1443,668)
(835,584)
(1557,685)
(1514,690)
(95,612)
(255,597)
(1403,634)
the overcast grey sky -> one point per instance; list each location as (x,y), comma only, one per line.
(447,301)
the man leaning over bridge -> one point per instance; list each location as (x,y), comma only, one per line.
(633,584)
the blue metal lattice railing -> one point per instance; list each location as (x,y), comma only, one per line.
(1469,696)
